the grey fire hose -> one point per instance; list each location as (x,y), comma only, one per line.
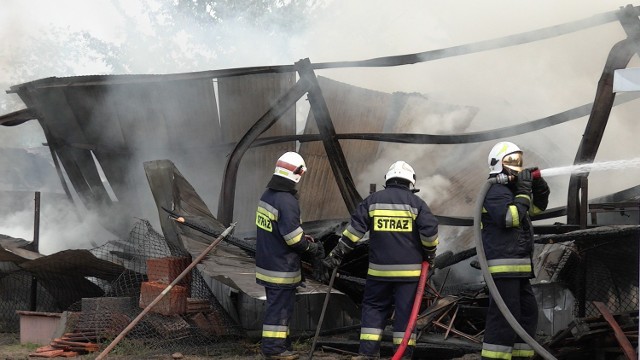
(482,258)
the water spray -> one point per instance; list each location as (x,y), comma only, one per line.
(574,169)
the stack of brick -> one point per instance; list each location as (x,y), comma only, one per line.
(160,273)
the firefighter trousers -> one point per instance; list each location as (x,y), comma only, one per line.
(378,300)
(500,340)
(277,314)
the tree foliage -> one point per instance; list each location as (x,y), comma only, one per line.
(165,36)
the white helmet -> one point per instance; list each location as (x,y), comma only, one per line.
(291,166)
(402,170)
(507,154)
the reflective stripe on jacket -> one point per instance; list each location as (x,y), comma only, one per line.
(280,240)
(507,233)
(400,226)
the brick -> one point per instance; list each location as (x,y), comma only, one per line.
(209,323)
(165,270)
(173,303)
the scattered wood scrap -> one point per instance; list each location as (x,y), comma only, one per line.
(69,345)
(591,336)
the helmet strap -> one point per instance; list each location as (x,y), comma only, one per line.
(398,181)
(279,183)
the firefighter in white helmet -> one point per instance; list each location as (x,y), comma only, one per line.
(402,233)
(507,237)
(280,243)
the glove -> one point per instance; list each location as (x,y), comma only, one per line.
(539,185)
(332,261)
(429,256)
(524,182)
(322,273)
(540,192)
(316,250)
(334,258)
(319,270)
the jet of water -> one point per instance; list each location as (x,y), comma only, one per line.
(585,168)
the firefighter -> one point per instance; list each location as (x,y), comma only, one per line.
(507,237)
(402,233)
(280,243)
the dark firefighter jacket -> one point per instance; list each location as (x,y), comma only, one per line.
(400,226)
(280,239)
(507,232)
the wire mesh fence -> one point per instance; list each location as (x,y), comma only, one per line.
(603,269)
(188,318)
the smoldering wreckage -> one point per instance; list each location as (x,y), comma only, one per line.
(226,137)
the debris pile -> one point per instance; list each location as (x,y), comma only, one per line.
(594,337)
(69,345)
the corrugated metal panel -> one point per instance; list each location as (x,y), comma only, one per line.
(227,270)
(360,110)
(243,101)
(352,109)
(63,133)
(124,125)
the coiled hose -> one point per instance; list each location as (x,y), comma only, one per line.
(482,258)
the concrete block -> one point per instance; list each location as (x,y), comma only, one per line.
(38,327)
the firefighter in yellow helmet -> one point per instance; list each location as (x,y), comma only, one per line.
(402,233)
(279,244)
(507,237)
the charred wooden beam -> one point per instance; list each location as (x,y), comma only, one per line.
(331,144)
(228,187)
(466,138)
(624,342)
(17,117)
(398,60)
(619,57)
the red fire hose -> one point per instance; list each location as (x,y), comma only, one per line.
(417,301)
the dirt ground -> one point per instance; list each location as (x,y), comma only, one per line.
(11,349)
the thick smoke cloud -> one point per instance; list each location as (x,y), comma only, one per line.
(508,86)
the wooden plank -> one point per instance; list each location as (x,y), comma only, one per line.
(47,354)
(625,344)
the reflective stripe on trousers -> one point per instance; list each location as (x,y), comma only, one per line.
(499,338)
(277,314)
(376,308)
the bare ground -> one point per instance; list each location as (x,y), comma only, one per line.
(11,349)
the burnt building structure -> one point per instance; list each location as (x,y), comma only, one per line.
(204,144)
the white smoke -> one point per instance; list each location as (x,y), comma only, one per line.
(508,86)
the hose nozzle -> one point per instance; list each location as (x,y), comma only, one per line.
(505,179)
(536,174)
